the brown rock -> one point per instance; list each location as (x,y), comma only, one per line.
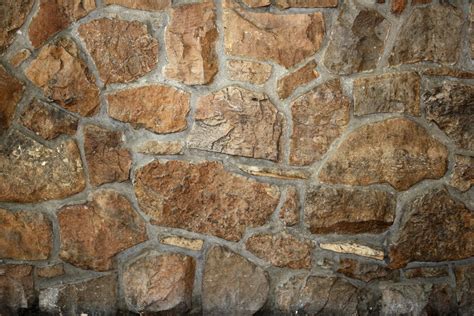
(432,33)
(56,15)
(395,151)
(11,91)
(147,5)
(290,210)
(387,93)
(285,39)
(158,108)
(281,250)
(434,227)
(449,72)
(319,117)
(13,14)
(158,282)
(32,172)
(190,43)
(16,288)
(93,233)
(257,3)
(20,57)
(402,298)
(231,284)
(285,4)
(357,40)
(418,2)
(153,147)
(237,121)
(25,235)
(451,107)
(471,29)
(123,51)
(64,78)
(365,271)
(398,6)
(464,289)
(426,272)
(106,159)
(463,173)
(178,241)
(353,249)
(248,71)
(289,83)
(277,173)
(203,198)
(48,121)
(348,210)
(50,271)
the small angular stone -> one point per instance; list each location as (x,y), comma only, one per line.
(398,6)
(281,250)
(11,91)
(463,173)
(464,289)
(289,83)
(237,121)
(387,93)
(64,78)
(232,285)
(257,3)
(93,233)
(203,198)
(319,117)
(248,71)
(147,5)
(191,244)
(277,173)
(449,72)
(25,235)
(286,4)
(50,271)
(285,39)
(190,43)
(159,282)
(348,210)
(396,151)
(426,272)
(158,108)
(365,271)
(16,288)
(290,210)
(354,249)
(13,14)
(123,51)
(153,147)
(20,57)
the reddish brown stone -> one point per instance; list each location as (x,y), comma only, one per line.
(249,71)
(123,51)
(11,91)
(417,2)
(147,5)
(16,288)
(158,108)
(64,78)
(203,198)
(463,173)
(365,271)
(13,14)
(464,289)
(20,57)
(426,272)
(395,151)
(285,4)
(25,235)
(289,83)
(50,271)
(257,3)
(449,72)
(290,210)
(398,6)
(93,233)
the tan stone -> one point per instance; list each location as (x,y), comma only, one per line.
(123,51)
(203,198)
(191,244)
(319,117)
(93,233)
(158,108)
(25,235)
(16,288)
(290,210)
(285,39)
(64,78)
(398,6)
(290,82)
(20,57)
(11,91)
(237,121)
(277,173)
(285,4)
(248,71)
(257,3)
(426,272)
(50,271)
(449,72)
(353,249)
(191,37)
(395,151)
(153,147)
(147,5)
(13,14)
(462,177)
(365,271)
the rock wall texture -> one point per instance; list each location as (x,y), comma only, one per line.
(236,157)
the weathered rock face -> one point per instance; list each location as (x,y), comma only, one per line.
(93,233)
(153,147)
(290,210)
(463,173)
(398,6)
(353,248)
(257,3)
(387,93)
(319,117)
(403,298)
(190,43)
(277,173)
(465,291)
(158,282)
(32,172)
(147,5)
(158,108)
(449,72)
(232,284)
(289,83)
(365,271)
(16,288)
(285,39)
(203,198)
(123,51)
(13,14)
(432,33)
(434,227)
(426,272)
(285,4)
(357,40)
(178,241)
(395,151)
(348,210)
(249,71)
(451,107)
(64,78)
(106,160)
(25,235)
(238,122)
(11,91)
(20,57)
(50,271)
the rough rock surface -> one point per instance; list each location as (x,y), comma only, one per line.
(432,33)
(158,282)
(203,198)
(398,6)
(232,284)
(285,39)
(319,117)
(50,271)
(426,272)
(289,83)
(286,4)
(16,288)
(248,71)
(290,210)
(158,108)
(32,172)
(190,43)
(64,78)
(353,248)
(93,233)
(25,235)
(276,172)
(178,241)
(434,227)
(465,290)
(123,51)
(147,5)
(348,210)
(20,57)
(463,173)
(365,271)
(238,122)
(449,72)
(11,91)
(13,14)
(395,151)
(153,147)
(257,3)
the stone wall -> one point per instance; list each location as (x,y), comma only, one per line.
(235,157)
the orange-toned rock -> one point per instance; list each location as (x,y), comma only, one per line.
(257,3)
(285,4)
(155,147)
(147,5)
(463,173)
(13,14)
(20,57)
(17,290)
(398,6)
(290,210)
(248,71)
(50,271)
(11,91)
(289,83)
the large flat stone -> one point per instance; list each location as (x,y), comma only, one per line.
(13,14)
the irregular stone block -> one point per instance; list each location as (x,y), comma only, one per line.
(11,91)
(426,272)
(13,14)
(449,72)
(290,210)
(50,271)
(463,173)
(289,83)
(16,288)
(365,271)
(464,289)
(191,244)
(161,148)
(398,6)
(248,71)
(147,5)
(277,173)
(20,57)
(286,4)
(257,3)
(354,249)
